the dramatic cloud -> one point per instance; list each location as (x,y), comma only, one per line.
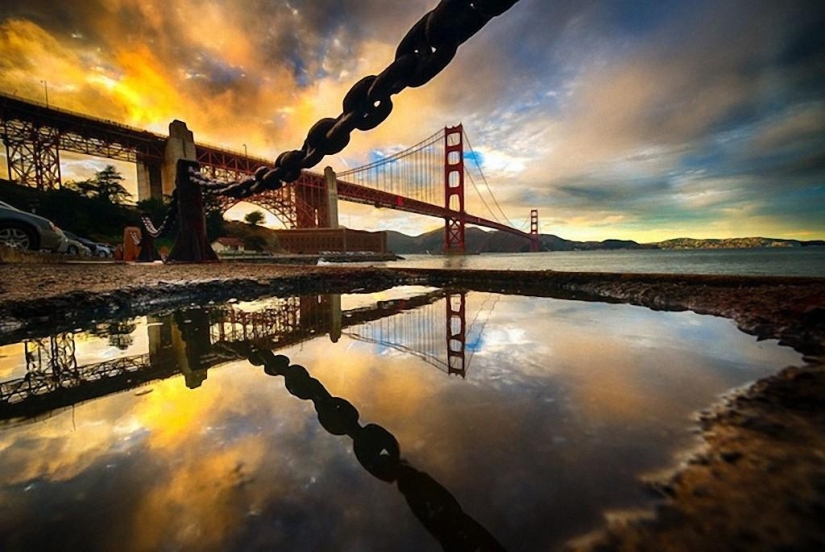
(631,119)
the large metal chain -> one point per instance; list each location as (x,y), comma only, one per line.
(168,221)
(426,49)
(378,452)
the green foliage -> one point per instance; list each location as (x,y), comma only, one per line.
(255,242)
(155,207)
(106,186)
(215,224)
(254,218)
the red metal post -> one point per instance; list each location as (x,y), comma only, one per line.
(191,244)
(534,230)
(456,333)
(454,188)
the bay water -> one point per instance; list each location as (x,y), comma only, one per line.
(796,261)
(544,415)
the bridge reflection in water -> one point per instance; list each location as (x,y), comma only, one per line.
(191,341)
(431,326)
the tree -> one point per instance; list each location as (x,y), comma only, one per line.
(109,185)
(254,242)
(215,224)
(254,218)
(105,186)
(155,207)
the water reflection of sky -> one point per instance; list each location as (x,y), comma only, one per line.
(564,405)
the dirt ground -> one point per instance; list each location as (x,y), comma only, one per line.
(758,483)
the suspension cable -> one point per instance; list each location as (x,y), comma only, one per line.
(426,142)
(473,182)
(475,158)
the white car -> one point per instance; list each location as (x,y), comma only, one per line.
(105,250)
(27,231)
(74,247)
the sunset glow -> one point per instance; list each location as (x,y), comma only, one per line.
(621,119)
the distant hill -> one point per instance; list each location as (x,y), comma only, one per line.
(480,241)
(734,243)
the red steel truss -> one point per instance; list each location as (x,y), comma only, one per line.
(301,204)
(34,134)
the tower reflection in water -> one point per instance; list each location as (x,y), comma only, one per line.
(189,342)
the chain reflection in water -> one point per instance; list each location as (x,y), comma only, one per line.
(378,452)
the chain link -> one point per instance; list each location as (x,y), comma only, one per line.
(168,220)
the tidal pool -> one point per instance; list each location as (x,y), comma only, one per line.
(519,421)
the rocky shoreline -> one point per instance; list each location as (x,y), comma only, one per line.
(759,481)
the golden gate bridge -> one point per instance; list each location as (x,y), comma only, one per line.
(426,179)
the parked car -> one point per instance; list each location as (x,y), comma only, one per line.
(85,241)
(28,231)
(75,245)
(105,250)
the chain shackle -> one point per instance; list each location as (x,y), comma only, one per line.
(430,58)
(368,110)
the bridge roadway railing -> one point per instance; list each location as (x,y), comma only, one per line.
(379,198)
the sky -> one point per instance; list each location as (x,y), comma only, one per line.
(630,119)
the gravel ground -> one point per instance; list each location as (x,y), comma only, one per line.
(757,484)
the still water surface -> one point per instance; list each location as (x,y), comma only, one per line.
(175,442)
(800,261)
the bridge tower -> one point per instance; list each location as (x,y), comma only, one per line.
(456,333)
(454,188)
(534,230)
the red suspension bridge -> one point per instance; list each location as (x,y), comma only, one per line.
(426,179)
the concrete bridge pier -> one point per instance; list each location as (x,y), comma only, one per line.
(332,197)
(156,178)
(180,145)
(149,179)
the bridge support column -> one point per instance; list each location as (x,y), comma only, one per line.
(179,145)
(534,230)
(335,321)
(332,197)
(149,180)
(456,333)
(454,188)
(191,244)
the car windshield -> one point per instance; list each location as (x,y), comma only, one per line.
(4,204)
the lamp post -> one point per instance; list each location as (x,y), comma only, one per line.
(244,151)
(46,89)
